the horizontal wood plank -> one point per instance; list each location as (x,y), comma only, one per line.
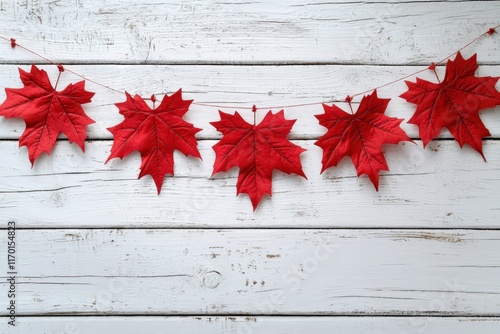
(261,272)
(264,86)
(384,32)
(441,186)
(251,325)
(99,252)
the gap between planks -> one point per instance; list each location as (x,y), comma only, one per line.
(252,315)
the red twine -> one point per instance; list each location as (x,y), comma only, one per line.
(348,99)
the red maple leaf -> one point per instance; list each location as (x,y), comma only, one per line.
(155,133)
(257,150)
(47,112)
(453,103)
(359,136)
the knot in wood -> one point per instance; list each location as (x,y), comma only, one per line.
(212,279)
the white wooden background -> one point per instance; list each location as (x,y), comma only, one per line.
(100,252)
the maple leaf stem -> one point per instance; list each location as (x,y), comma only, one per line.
(153,99)
(254,109)
(57,81)
(350,107)
(435,73)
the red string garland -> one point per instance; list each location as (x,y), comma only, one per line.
(489,32)
(258,157)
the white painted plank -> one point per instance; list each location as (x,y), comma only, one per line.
(441,186)
(244,86)
(260,272)
(247,31)
(252,325)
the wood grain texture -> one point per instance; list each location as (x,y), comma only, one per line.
(159,31)
(441,186)
(253,325)
(99,252)
(295,272)
(264,86)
